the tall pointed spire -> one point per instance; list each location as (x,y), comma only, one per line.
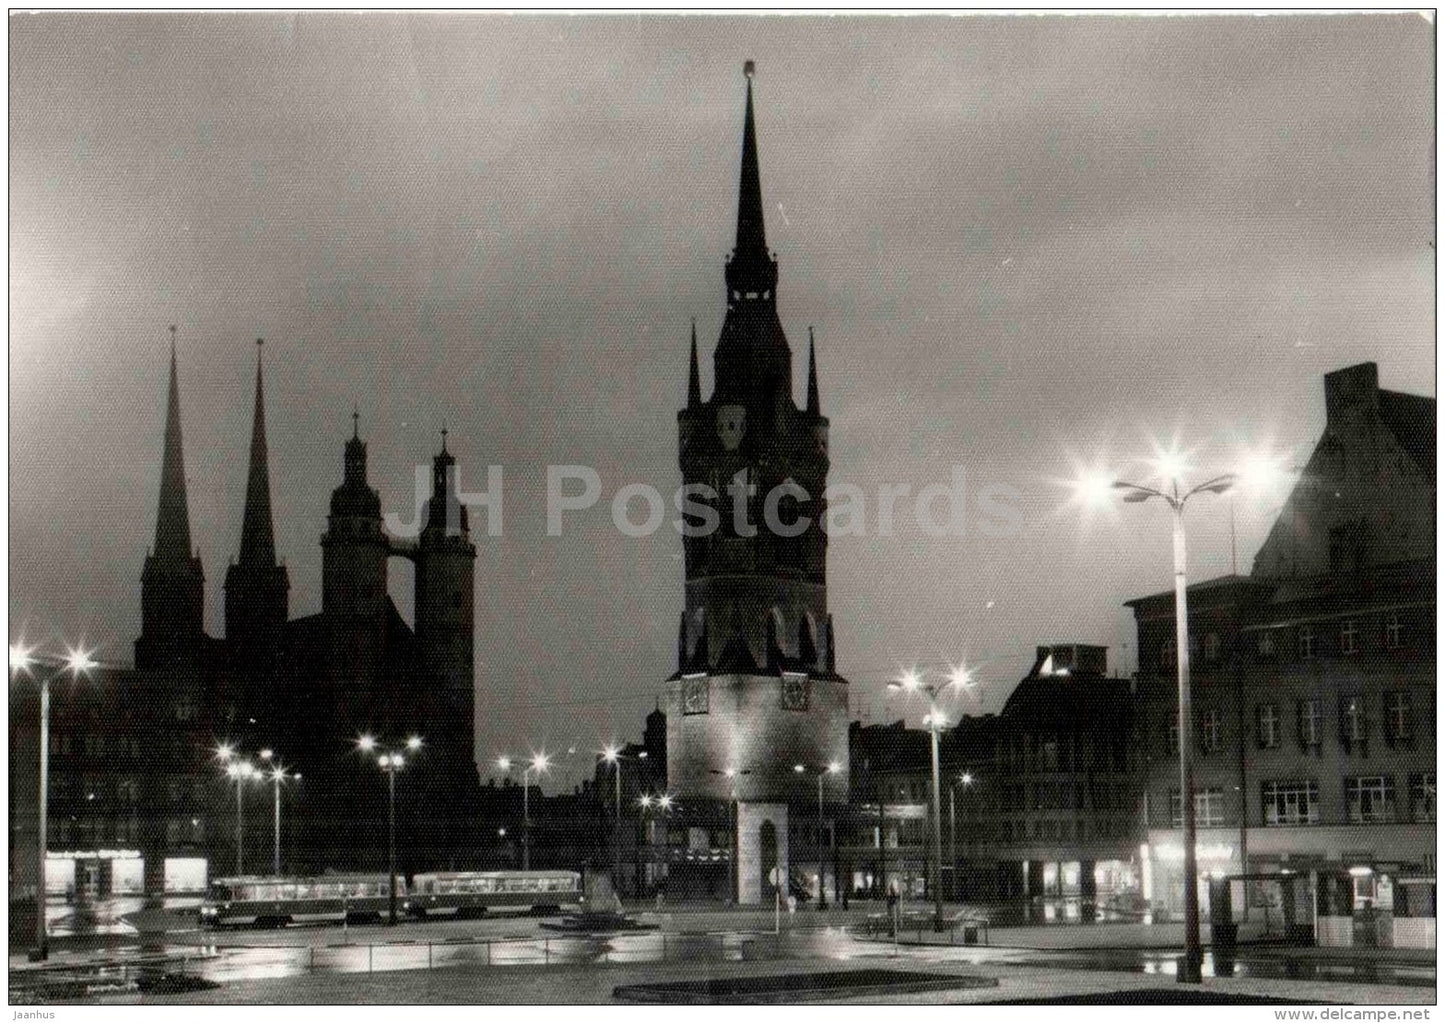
(694,379)
(258,538)
(173,520)
(813,408)
(752,236)
(172,583)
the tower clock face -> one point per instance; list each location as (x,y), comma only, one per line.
(731,425)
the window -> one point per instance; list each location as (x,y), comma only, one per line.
(1208,808)
(1399,717)
(1209,731)
(1211,647)
(127,791)
(94,745)
(1168,655)
(1311,720)
(1306,641)
(1171,736)
(1350,637)
(1422,797)
(1371,799)
(1266,644)
(1267,718)
(1392,632)
(1290,802)
(186,710)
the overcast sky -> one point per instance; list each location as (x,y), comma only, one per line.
(1021,241)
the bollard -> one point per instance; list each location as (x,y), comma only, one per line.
(489,953)
(546,951)
(428,955)
(312,966)
(370,949)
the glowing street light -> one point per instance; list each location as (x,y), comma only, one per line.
(240,772)
(538,765)
(22,660)
(832,768)
(390,762)
(1171,466)
(912,681)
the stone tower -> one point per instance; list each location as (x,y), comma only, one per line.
(354,551)
(445,563)
(756,692)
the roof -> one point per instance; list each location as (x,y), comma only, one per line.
(1205,586)
(1411,418)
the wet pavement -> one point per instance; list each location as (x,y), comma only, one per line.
(121,944)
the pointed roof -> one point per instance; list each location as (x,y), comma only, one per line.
(752,235)
(813,406)
(258,538)
(694,379)
(173,520)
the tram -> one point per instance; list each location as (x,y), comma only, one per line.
(278,901)
(470,893)
(366,898)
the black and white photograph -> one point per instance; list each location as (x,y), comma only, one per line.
(627,508)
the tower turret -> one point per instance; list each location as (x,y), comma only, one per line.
(172,582)
(354,550)
(445,562)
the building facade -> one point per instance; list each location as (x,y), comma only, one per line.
(1314,690)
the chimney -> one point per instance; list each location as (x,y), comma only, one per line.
(1352,389)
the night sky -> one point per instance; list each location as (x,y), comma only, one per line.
(1025,244)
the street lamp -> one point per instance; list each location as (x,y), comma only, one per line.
(77,662)
(912,682)
(390,762)
(966,780)
(278,775)
(832,768)
(615,756)
(240,772)
(1171,467)
(539,764)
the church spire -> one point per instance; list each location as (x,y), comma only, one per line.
(752,275)
(813,408)
(694,379)
(173,520)
(258,538)
(752,236)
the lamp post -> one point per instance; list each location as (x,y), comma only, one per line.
(648,803)
(1190,969)
(77,662)
(278,775)
(966,780)
(240,772)
(615,756)
(912,682)
(390,762)
(832,768)
(539,764)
